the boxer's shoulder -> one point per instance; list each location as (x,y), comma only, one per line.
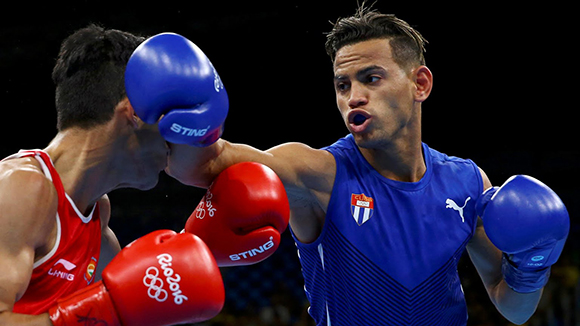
(315,168)
(314,171)
(28,199)
(24,172)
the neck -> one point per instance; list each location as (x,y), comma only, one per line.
(398,163)
(85,162)
(400,157)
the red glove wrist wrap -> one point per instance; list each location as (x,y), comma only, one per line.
(89,306)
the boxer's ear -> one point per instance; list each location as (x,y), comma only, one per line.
(125,111)
(423,79)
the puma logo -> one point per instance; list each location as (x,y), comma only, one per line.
(452,204)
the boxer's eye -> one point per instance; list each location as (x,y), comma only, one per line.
(373,79)
(342,86)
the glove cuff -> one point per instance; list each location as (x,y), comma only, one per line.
(524,281)
(91,305)
(483,200)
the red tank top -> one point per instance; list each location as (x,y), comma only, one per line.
(70,265)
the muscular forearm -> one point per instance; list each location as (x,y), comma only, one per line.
(199,166)
(514,306)
(193,165)
(14,319)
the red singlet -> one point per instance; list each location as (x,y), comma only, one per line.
(70,265)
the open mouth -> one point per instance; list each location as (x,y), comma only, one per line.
(358,120)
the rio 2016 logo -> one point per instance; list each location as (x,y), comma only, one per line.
(155,283)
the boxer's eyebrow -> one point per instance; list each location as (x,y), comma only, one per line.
(362,72)
(374,68)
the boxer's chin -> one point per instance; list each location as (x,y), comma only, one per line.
(371,139)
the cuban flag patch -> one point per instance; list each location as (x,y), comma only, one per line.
(361,207)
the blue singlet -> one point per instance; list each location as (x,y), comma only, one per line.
(388,251)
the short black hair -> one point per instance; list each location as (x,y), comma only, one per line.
(89,75)
(407,44)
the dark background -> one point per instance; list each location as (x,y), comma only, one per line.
(504,95)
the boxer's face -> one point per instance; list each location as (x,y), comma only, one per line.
(146,154)
(151,153)
(376,97)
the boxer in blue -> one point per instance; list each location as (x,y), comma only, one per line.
(379,218)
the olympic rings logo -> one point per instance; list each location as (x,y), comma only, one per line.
(155,284)
(206,201)
(199,211)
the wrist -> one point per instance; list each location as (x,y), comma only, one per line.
(524,280)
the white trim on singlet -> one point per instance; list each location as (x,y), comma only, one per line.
(85,219)
(45,169)
(54,248)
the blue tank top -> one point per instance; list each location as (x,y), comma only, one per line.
(388,251)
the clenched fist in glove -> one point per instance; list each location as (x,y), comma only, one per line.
(242,214)
(163,278)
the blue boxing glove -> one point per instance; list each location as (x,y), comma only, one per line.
(528,222)
(169,77)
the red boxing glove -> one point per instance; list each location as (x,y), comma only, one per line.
(242,214)
(163,278)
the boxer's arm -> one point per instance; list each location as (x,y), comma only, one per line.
(197,166)
(487,259)
(297,165)
(110,246)
(28,209)
(307,174)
